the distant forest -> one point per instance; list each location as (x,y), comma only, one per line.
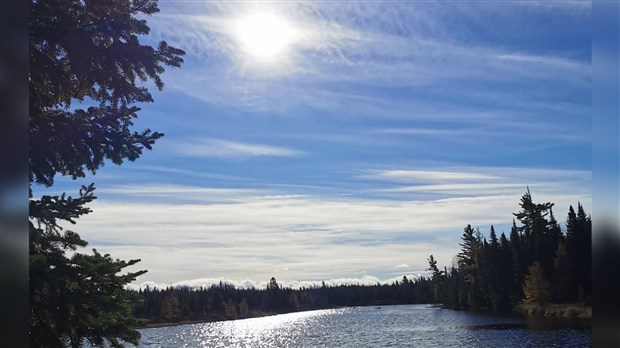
(538,263)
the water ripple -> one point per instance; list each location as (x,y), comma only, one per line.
(390,326)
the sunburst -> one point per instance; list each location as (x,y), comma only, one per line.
(265,37)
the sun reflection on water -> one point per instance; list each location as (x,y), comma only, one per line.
(278,330)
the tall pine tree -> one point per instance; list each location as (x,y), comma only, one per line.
(469,263)
(535,232)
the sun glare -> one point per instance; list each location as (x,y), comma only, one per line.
(265,37)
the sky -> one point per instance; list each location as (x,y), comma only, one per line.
(346,141)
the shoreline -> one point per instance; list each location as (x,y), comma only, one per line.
(151,325)
(549,311)
(555,311)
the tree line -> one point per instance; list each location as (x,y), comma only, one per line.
(537,263)
(224,301)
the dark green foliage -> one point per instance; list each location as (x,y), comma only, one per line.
(539,234)
(470,251)
(87,68)
(80,297)
(89,51)
(494,284)
(505,277)
(579,249)
(470,259)
(86,303)
(563,278)
(536,264)
(519,263)
(273,285)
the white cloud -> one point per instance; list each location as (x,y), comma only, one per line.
(402,265)
(250,233)
(219,148)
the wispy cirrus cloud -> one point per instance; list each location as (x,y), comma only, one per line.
(549,61)
(403,175)
(571,6)
(185,193)
(219,148)
(369,44)
(481,181)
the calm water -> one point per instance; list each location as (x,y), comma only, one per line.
(388,326)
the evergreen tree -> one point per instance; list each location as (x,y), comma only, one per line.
(450,290)
(579,248)
(274,294)
(494,241)
(555,232)
(469,262)
(90,52)
(492,265)
(505,274)
(470,250)
(436,277)
(432,267)
(535,231)
(273,285)
(518,263)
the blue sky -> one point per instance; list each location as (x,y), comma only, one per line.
(367,144)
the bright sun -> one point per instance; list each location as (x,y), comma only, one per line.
(264,37)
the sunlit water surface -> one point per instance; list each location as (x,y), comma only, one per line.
(387,326)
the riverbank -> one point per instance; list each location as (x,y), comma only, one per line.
(563,311)
(552,311)
(578,311)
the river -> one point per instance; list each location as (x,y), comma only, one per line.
(387,326)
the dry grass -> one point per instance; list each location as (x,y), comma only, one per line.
(556,310)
